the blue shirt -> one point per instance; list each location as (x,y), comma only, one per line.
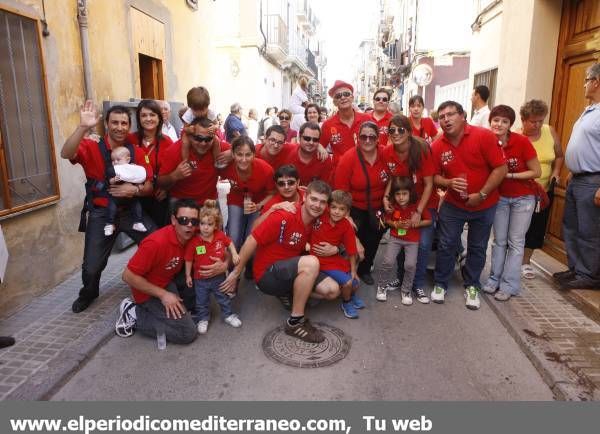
(583,150)
(232,124)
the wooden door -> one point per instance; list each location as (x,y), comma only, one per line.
(578,48)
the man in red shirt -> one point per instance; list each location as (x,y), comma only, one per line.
(79,149)
(274,150)
(470,165)
(306,156)
(381,115)
(279,268)
(340,132)
(195,178)
(150,272)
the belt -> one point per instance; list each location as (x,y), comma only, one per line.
(582,174)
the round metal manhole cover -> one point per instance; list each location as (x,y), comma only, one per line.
(293,352)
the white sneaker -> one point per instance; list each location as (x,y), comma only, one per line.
(472,297)
(125,325)
(394,285)
(109,230)
(202,327)
(406,298)
(139,227)
(437,294)
(489,288)
(421,297)
(233,320)
(381,294)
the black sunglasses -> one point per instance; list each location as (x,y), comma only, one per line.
(394,130)
(184,221)
(381,99)
(310,139)
(199,138)
(286,183)
(365,137)
(345,94)
(284,118)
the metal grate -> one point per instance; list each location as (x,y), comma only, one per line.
(27,171)
(488,78)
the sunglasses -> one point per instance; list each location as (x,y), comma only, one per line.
(184,221)
(286,183)
(205,139)
(345,94)
(367,137)
(310,139)
(381,99)
(394,130)
(284,118)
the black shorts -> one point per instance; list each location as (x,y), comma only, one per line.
(279,278)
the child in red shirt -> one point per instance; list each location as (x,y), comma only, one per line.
(404,235)
(334,228)
(209,243)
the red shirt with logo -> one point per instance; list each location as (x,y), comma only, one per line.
(427,131)
(278,198)
(158,259)
(476,156)
(199,251)
(202,183)
(382,124)
(91,159)
(398,167)
(340,136)
(282,235)
(350,177)
(411,234)
(518,151)
(278,160)
(314,169)
(258,185)
(341,232)
(150,152)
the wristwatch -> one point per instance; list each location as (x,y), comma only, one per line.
(483,195)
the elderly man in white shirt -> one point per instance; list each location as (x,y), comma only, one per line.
(481,111)
(167,129)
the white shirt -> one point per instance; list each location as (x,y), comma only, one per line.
(296,100)
(169,130)
(480,117)
(130,173)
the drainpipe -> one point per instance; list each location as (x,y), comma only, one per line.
(82,19)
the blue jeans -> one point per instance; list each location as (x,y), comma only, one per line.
(581,226)
(513,216)
(205,287)
(425,241)
(450,223)
(239,225)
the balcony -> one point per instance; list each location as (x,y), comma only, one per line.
(312,64)
(277,38)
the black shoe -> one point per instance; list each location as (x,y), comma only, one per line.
(80,304)
(6,341)
(580,283)
(564,275)
(367,278)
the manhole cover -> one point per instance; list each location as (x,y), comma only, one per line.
(293,352)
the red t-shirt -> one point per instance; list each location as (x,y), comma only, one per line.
(340,136)
(149,152)
(476,155)
(350,177)
(382,124)
(202,183)
(340,233)
(427,131)
(314,169)
(259,185)
(199,251)
(398,167)
(282,235)
(278,160)
(399,213)
(158,259)
(279,198)
(291,135)
(518,151)
(91,159)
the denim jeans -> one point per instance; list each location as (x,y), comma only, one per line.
(204,288)
(390,254)
(581,226)
(369,238)
(512,219)
(239,225)
(425,241)
(450,223)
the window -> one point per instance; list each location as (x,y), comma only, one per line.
(27,160)
(487,78)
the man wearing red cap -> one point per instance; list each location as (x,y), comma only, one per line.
(341,130)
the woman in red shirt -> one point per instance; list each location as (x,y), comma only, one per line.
(515,207)
(421,127)
(285,118)
(362,172)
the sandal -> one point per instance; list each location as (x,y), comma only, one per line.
(527,271)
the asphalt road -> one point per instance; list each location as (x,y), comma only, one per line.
(421,352)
